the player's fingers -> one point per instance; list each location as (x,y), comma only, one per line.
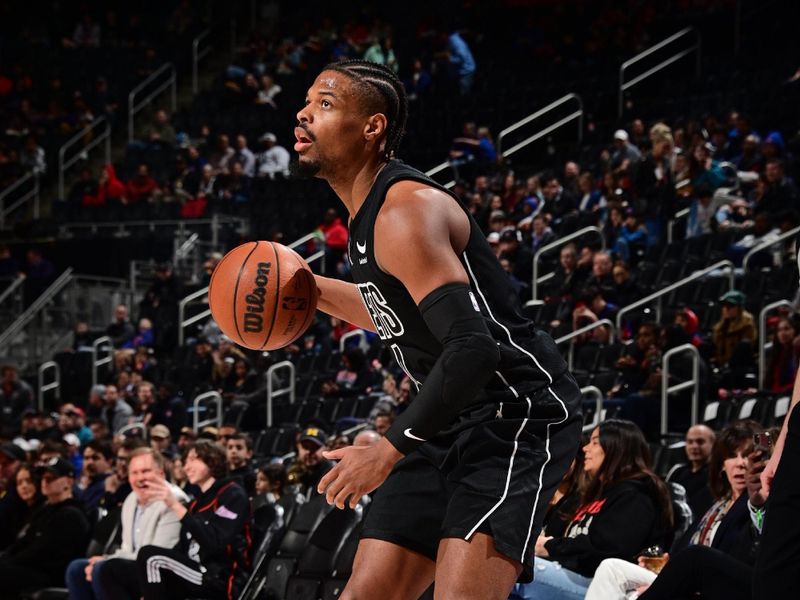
(334,454)
(327,479)
(333,489)
(341,497)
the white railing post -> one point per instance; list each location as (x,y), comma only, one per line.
(536,280)
(272,393)
(184,323)
(65,163)
(764,245)
(763,344)
(197,54)
(202,399)
(362,339)
(169,82)
(576,114)
(626,85)
(30,194)
(671,224)
(663,292)
(53,385)
(693,383)
(591,390)
(101,344)
(438,169)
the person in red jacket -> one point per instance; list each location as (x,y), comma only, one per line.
(335,237)
(109,187)
(141,187)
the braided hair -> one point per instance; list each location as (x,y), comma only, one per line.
(381,91)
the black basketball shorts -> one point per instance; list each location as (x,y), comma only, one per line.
(495,474)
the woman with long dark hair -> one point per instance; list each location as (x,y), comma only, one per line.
(22,501)
(624,508)
(782,365)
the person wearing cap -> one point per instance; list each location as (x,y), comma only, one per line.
(161,439)
(72,419)
(626,157)
(186,437)
(273,159)
(57,534)
(15,396)
(143,521)
(310,465)
(735,331)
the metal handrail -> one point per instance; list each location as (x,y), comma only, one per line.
(197,54)
(625,85)
(359,333)
(674,286)
(217,418)
(34,193)
(54,288)
(134,108)
(438,169)
(558,244)
(591,390)
(104,136)
(318,255)
(53,385)
(764,245)
(183,324)
(578,114)
(570,337)
(186,247)
(272,393)
(671,224)
(12,287)
(99,362)
(123,431)
(763,344)
(693,383)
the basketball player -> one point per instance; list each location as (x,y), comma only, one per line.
(467,470)
(776,573)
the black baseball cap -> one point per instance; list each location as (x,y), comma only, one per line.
(314,434)
(13,452)
(58,466)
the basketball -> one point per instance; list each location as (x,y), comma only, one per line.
(262,295)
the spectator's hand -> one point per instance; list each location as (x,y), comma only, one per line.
(158,489)
(112,483)
(360,470)
(755,490)
(540,549)
(90,566)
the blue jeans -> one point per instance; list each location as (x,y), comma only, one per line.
(79,588)
(552,582)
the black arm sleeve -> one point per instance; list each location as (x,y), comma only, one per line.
(467,362)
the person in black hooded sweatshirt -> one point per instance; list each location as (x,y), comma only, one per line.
(624,509)
(212,558)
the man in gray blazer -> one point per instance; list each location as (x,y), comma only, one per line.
(114,576)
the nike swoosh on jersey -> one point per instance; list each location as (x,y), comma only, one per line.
(408,434)
(362,248)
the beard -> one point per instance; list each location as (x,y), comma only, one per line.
(307,169)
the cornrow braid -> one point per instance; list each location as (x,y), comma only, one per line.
(384,92)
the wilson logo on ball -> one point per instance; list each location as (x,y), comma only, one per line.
(293,303)
(254,317)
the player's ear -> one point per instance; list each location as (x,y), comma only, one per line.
(375,127)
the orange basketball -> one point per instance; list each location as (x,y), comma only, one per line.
(262,295)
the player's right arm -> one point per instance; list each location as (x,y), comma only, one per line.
(772,465)
(342,300)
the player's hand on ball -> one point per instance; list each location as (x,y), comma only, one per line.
(360,470)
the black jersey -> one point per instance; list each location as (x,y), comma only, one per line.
(529,359)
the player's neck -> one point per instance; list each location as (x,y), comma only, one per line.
(352,185)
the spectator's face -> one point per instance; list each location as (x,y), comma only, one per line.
(637,127)
(99,431)
(145,395)
(184,440)
(196,470)
(121,465)
(121,313)
(645,338)
(550,190)
(538,226)
(568,259)
(774,172)
(67,418)
(161,117)
(178,474)
(241,142)
(7,468)
(207,172)
(571,170)
(404,392)
(9,375)
(699,442)
(237,453)
(735,469)
(309,453)
(481,183)
(593,454)
(263,484)
(224,142)
(158,442)
(224,433)
(141,171)
(729,311)
(26,488)
(95,462)
(54,487)
(785,332)
(382,425)
(601,265)
(112,395)
(237,169)
(142,470)
(620,275)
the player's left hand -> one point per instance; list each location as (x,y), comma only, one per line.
(360,470)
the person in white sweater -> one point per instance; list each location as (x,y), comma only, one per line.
(144,522)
